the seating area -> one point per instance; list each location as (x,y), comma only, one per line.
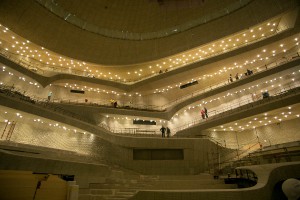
(281,153)
(275,154)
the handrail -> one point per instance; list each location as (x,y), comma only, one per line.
(107,103)
(37,67)
(249,103)
(253,155)
(279,62)
(240,105)
(13,92)
(272,151)
(129,105)
(211,113)
(223,158)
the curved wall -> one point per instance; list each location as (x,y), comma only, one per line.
(100,145)
(276,133)
(59,36)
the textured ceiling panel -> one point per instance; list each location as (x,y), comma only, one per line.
(141,15)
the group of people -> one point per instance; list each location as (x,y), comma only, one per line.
(204,113)
(237,76)
(164,131)
(160,71)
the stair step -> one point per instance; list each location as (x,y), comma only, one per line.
(104,196)
(84,190)
(89,197)
(125,194)
(102,191)
(115,198)
(127,190)
(188,177)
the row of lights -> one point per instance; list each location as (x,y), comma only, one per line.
(171,87)
(210,49)
(98,90)
(228,94)
(242,128)
(224,69)
(263,121)
(37,53)
(178,85)
(38,120)
(129,119)
(271,82)
(20,78)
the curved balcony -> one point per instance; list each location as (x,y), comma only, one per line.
(286,96)
(54,72)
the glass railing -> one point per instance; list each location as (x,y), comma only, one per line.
(108,103)
(129,105)
(244,104)
(256,71)
(279,94)
(11,91)
(21,95)
(214,114)
(50,70)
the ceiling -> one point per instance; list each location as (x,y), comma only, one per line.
(98,33)
(140,16)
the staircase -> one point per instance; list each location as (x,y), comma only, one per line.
(124,185)
(119,186)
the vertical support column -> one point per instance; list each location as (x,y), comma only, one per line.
(238,146)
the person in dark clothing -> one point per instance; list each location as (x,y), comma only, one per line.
(249,72)
(163,131)
(205,111)
(230,78)
(237,76)
(115,104)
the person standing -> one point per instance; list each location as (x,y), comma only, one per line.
(203,114)
(168,132)
(230,78)
(115,104)
(205,111)
(162,130)
(49,95)
(237,76)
